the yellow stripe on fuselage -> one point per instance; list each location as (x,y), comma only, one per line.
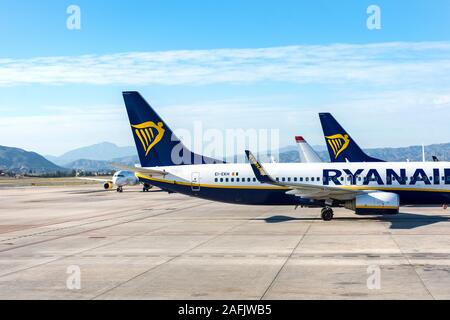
(219,186)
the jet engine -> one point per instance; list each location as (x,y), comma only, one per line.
(376,202)
(108,185)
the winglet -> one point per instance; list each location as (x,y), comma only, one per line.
(258,169)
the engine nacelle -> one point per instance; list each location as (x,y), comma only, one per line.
(108,185)
(376,202)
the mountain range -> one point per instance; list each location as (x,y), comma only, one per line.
(19,160)
(97,157)
(412,153)
(104,151)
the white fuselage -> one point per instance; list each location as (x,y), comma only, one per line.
(414,182)
(316,174)
(124,178)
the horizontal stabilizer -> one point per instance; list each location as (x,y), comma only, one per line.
(145,171)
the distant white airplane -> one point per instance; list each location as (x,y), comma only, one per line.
(306,152)
(119,180)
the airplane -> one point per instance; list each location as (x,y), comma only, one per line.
(364,187)
(306,152)
(120,179)
(341,147)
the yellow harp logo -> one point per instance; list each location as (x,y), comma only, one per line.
(338,143)
(255,162)
(149,133)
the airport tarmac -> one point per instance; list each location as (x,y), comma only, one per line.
(136,245)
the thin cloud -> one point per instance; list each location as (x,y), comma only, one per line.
(379,64)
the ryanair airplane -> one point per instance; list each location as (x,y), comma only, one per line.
(341,147)
(364,187)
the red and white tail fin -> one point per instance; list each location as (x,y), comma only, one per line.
(306,153)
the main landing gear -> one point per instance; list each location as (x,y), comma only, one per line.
(327,214)
(119,189)
(146,187)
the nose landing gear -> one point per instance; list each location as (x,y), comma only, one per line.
(327,214)
(119,189)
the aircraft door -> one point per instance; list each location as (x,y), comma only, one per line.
(195,181)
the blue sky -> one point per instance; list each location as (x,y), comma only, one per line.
(231,64)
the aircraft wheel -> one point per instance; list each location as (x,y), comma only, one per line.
(119,189)
(327,214)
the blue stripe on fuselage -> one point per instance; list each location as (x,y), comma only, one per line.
(237,195)
(258,196)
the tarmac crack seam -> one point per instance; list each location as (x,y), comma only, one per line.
(95,229)
(285,262)
(82,251)
(90,222)
(405,255)
(79,252)
(170,260)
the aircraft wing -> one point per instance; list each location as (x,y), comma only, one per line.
(94,179)
(301,189)
(145,171)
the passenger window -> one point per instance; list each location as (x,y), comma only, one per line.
(248,179)
(254,179)
(232,179)
(226,179)
(278,179)
(237,179)
(289,179)
(342,179)
(221,179)
(301,178)
(215,180)
(312,179)
(295,178)
(306,179)
(283,179)
(318,178)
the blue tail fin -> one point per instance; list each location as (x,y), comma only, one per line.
(341,147)
(156,144)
